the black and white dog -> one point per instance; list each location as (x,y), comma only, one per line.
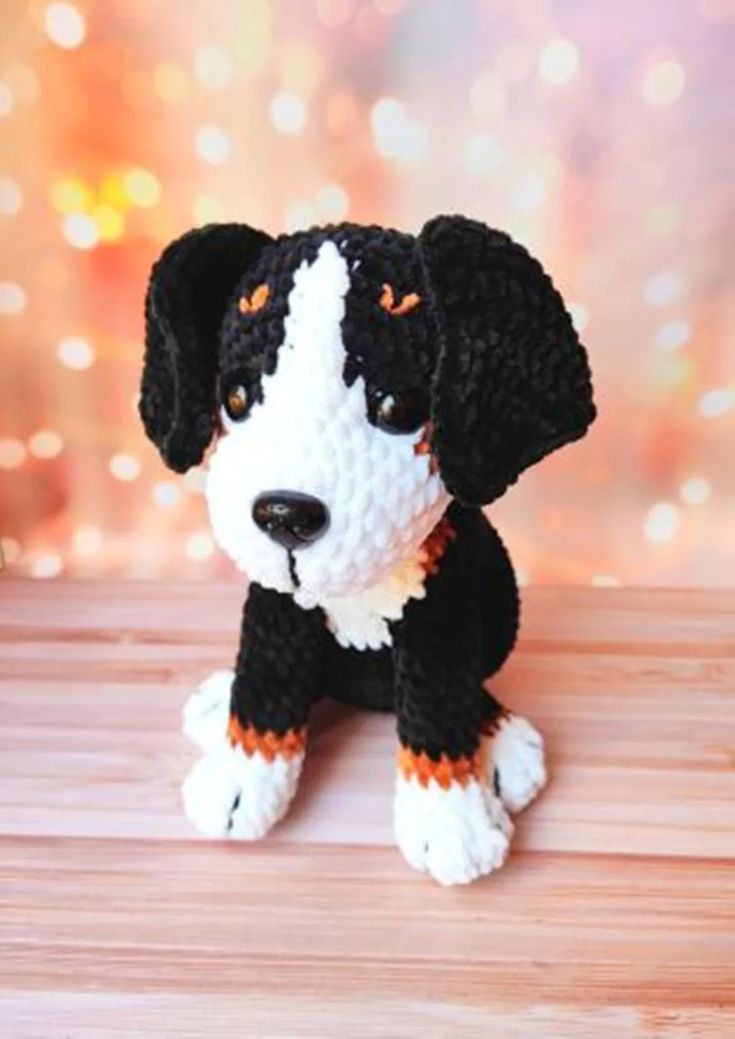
(367,392)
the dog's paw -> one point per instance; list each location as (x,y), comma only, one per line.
(207,711)
(456,834)
(230,793)
(515,762)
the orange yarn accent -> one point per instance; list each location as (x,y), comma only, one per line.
(444,772)
(388,302)
(256,301)
(423,447)
(267,744)
(434,546)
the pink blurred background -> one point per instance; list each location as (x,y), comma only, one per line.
(599,134)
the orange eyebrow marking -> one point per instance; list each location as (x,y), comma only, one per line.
(256,300)
(388,301)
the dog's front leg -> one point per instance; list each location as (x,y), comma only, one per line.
(448,820)
(252,722)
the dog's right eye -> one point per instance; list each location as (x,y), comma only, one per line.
(237,402)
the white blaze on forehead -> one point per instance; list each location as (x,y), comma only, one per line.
(313,329)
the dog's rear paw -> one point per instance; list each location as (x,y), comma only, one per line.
(230,793)
(515,762)
(456,834)
(206,712)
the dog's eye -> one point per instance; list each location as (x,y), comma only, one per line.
(401,412)
(237,402)
(388,301)
(256,300)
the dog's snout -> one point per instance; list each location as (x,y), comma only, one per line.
(290,518)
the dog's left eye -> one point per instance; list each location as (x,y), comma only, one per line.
(237,402)
(401,412)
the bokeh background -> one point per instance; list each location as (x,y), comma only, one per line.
(600,134)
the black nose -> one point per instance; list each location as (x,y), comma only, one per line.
(290,518)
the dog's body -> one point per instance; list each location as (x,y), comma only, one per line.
(374,390)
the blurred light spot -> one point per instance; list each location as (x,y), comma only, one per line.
(13,299)
(332,202)
(71,195)
(300,67)
(528,192)
(195,481)
(11,197)
(109,223)
(287,112)
(12,453)
(213,145)
(199,546)
(64,24)
(141,187)
(334,12)
(483,154)
(6,100)
(580,316)
(662,220)
(207,209)
(75,352)
(522,577)
(558,62)
(87,540)
(395,135)
(213,66)
(47,565)
(10,550)
(487,97)
(662,288)
(45,444)
(717,402)
(663,83)
(23,81)
(605,581)
(661,523)
(171,83)
(80,231)
(695,491)
(125,467)
(300,215)
(166,494)
(672,334)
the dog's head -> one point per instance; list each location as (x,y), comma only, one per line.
(355,379)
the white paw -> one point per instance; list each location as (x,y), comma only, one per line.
(516,754)
(206,712)
(229,793)
(456,835)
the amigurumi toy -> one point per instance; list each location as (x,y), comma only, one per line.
(367,391)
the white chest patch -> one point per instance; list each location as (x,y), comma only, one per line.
(361,620)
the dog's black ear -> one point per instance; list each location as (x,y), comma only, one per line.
(189,289)
(512,382)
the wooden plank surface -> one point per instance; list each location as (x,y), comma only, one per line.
(615,915)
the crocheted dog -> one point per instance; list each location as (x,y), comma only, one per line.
(367,391)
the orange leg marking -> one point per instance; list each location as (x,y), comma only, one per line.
(268,744)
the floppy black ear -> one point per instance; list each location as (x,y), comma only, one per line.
(512,382)
(189,289)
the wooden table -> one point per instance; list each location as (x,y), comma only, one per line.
(614,917)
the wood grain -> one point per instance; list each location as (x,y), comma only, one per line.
(614,917)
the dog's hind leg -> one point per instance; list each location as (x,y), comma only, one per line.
(512,754)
